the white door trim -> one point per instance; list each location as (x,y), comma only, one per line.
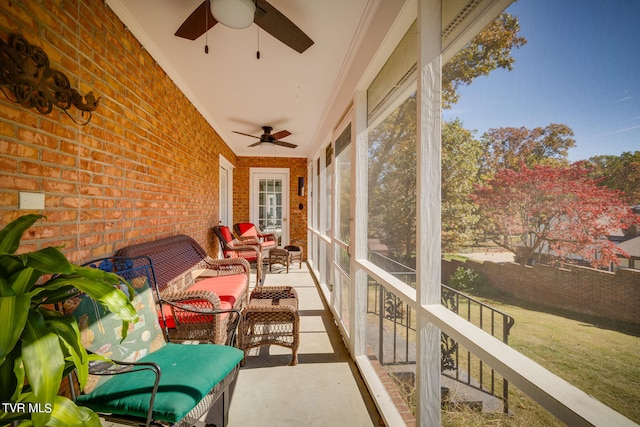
(228,166)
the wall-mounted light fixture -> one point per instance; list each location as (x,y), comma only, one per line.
(26,79)
(233,13)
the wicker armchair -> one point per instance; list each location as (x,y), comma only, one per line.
(248,248)
(247,229)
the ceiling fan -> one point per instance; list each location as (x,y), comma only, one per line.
(266,17)
(267,136)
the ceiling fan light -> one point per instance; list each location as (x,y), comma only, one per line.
(233,13)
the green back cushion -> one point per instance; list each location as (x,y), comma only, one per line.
(189,372)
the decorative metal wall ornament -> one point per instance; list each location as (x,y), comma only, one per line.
(26,79)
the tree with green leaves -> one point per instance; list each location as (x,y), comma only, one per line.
(392,181)
(510,147)
(489,50)
(392,150)
(619,173)
(461,155)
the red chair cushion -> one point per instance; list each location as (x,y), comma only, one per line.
(188,316)
(268,244)
(228,288)
(247,229)
(226,233)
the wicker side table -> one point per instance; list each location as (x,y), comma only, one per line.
(279,256)
(271,317)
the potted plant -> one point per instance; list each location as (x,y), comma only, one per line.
(39,345)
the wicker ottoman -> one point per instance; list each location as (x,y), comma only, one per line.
(279,256)
(271,317)
(295,254)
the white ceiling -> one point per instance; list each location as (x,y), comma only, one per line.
(235,91)
(306,94)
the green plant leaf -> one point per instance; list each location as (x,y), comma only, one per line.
(68,414)
(13,317)
(68,332)
(5,288)
(97,274)
(48,260)
(54,296)
(60,412)
(8,417)
(20,374)
(23,280)
(8,380)
(112,297)
(9,265)
(11,235)
(43,361)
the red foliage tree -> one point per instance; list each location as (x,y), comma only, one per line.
(556,209)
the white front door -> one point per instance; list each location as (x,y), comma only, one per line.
(270,201)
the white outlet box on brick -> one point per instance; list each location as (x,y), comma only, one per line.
(31,200)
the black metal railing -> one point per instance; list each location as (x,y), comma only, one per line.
(461,365)
(396,326)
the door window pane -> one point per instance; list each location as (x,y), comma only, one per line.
(270,205)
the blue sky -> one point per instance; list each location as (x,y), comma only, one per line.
(580,67)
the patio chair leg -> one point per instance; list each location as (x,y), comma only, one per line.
(225,406)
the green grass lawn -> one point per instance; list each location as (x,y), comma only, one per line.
(599,357)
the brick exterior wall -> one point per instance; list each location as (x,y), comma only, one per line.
(604,294)
(147,164)
(297,168)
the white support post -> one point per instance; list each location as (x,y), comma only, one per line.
(428,220)
(359,219)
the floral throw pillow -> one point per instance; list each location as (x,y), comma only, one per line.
(101,330)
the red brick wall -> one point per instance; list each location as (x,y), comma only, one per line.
(297,168)
(147,164)
(145,167)
(614,296)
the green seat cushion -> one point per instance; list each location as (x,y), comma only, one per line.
(189,372)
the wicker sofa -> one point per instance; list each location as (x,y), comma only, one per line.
(183,271)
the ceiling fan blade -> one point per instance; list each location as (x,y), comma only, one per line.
(279,26)
(281,134)
(199,22)
(256,144)
(245,134)
(285,144)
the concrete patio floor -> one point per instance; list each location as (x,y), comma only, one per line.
(324,389)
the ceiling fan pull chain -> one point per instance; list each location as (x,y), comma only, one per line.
(206,31)
(258,51)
